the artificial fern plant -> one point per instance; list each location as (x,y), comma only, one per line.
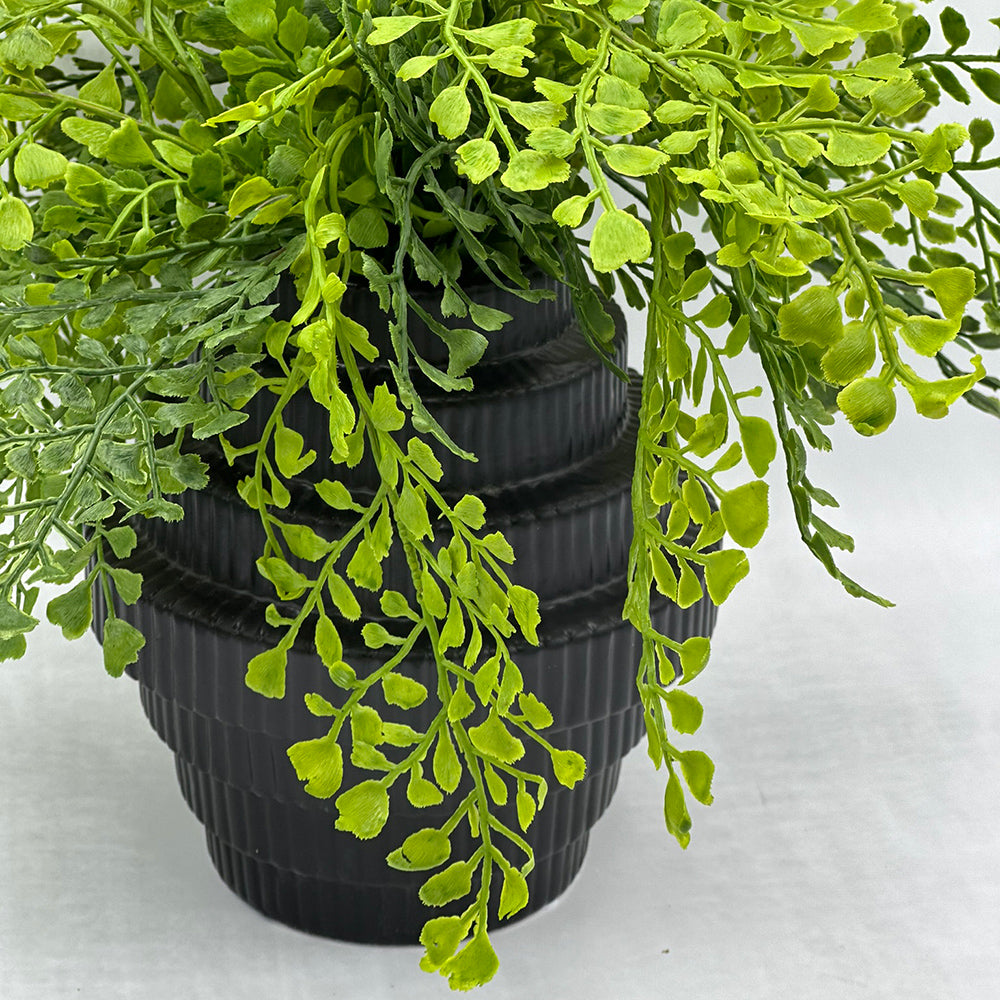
(168,162)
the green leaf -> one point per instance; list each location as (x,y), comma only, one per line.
(698,771)
(851,356)
(440,937)
(363,809)
(570,211)
(689,590)
(422,793)
(320,764)
(723,570)
(403,691)
(568,766)
(855,149)
(525,809)
(685,711)
(16,224)
(422,850)
(611,119)
(618,238)
(513,895)
(447,769)
(634,161)
(127,148)
(103,89)
(255,18)
(536,712)
(927,335)
(266,673)
(446,886)
(475,965)
(759,444)
(869,15)
(524,603)
(450,111)
(471,511)
(956,31)
(388,29)
(813,316)
(386,415)
(953,287)
(121,645)
(416,66)
(532,170)
(478,158)
(744,510)
(869,405)
(38,167)
(988,81)
(26,48)
(72,611)
(694,656)
(493,739)
(127,584)
(293,31)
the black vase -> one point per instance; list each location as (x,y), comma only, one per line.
(554,431)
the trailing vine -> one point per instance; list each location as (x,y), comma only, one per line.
(154,198)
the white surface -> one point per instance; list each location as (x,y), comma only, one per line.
(851,852)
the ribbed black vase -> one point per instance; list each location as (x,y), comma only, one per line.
(554,431)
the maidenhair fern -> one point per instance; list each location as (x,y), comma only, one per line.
(161,177)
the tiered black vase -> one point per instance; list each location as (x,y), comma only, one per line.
(554,432)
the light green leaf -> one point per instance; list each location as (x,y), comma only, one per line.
(685,711)
(813,316)
(319,763)
(634,161)
(759,444)
(440,937)
(255,18)
(447,769)
(869,405)
(38,167)
(388,29)
(855,149)
(524,603)
(103,89)
(403,691)
(448,885)
(694,657)
(493,739)
(475,965)
(478,159)
(698,771)
(450,111)
(421,850)
(513,895)
(16,224)
(266,673)
(851,356)
(72,611)
(744,510)
(532,170)
(363,809)
(121,645)
(618,238)
(568,766)
(723,570)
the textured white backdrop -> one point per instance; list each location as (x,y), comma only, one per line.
(852,850)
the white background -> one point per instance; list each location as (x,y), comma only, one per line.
(851,852)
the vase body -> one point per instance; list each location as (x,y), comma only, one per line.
(554,431)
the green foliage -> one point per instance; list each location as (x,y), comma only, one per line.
(145,221)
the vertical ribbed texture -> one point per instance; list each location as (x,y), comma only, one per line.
(556,436)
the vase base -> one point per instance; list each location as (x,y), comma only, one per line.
(364,913)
